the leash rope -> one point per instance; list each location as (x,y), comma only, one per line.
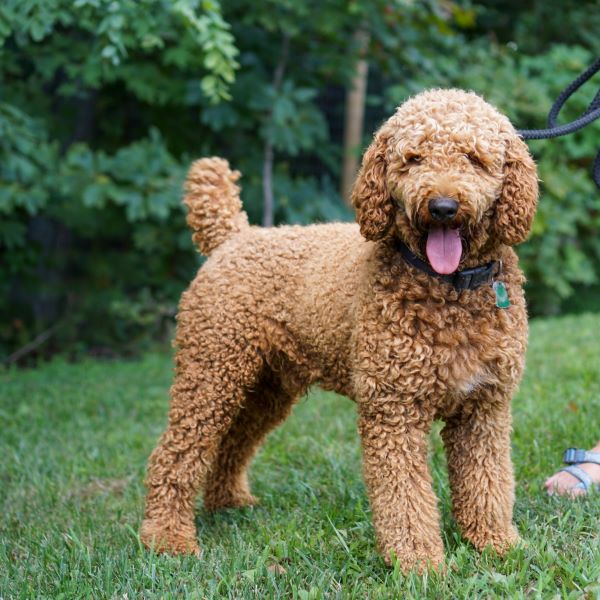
(591,114)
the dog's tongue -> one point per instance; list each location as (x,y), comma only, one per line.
(444,250)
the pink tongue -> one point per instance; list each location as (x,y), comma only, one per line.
(444,250)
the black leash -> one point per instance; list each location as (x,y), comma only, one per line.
(591,114)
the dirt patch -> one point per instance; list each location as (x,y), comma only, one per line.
(101,487)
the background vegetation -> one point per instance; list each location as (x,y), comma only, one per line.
(103,103)
(71,494)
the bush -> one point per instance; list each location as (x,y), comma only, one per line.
(89,191)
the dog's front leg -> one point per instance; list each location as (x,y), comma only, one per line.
(477,442)
(394,437)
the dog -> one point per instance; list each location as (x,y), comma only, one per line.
(416,314)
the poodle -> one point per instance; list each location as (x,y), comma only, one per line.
(416,314)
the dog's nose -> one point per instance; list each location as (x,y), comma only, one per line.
(443,209)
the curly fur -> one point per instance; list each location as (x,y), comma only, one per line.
(274,310)
(213,201)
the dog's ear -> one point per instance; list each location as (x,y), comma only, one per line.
(370,196)
(516,205)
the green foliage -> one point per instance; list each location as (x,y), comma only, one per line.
(76,438)
(89,189)
(101,41)
(103,103)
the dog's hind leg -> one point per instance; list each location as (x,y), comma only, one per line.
(207,394)
(264,408)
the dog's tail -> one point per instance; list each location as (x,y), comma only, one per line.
(213,200)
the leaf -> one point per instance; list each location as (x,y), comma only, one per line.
(94,196)
(276,569)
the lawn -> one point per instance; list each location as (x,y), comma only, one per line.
(74,439)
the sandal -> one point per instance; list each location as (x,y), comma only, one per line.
(578,456)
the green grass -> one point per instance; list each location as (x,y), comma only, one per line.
(74,440)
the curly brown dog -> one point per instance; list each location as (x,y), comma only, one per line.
(409,319)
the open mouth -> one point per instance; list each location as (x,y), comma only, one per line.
(444,249)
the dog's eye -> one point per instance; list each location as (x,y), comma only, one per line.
(413,159)
(475,161)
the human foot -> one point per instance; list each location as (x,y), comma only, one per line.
(567,484)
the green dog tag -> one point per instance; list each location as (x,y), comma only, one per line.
(502,299)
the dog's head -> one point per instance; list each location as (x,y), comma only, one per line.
(449,176)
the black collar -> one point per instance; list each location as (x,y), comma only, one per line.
(467,279)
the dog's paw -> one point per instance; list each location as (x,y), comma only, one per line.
(221,499)
(169,538)
(419,558)
(500,541)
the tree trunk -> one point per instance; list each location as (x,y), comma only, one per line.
(267,182)
(267,174)
(354,116)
